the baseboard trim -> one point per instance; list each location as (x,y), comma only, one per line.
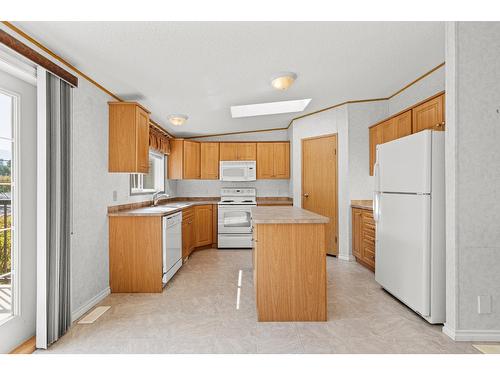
(490,335)
(27,347)
(75,315)
(348,258)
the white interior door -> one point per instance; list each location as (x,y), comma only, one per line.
(402,263)
(17,210)
(404,165)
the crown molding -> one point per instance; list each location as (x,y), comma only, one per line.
(76,70)
(63,61)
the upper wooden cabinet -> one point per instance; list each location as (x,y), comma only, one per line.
(192,160)
(429,115)
(128,138)
(209,161)
(238,151)
(273,160)
(184,160)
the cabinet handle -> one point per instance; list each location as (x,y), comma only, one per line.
(306,195)
(439,125)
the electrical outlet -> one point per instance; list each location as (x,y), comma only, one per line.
(115,195)
(484,304)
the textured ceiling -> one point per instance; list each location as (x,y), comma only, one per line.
(202,68)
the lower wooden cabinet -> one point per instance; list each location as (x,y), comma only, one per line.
(188,232)
(363,237)
(203,224)
(135,254)
(199,228)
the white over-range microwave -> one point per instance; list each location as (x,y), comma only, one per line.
(238,171)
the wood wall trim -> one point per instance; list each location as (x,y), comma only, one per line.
(27,347)
(240,132)
(57,57)
(335,106)
(36,57)
(63,61)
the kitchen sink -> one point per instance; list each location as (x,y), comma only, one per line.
(159,209)
(176,205)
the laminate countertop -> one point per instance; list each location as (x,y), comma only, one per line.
(167,208)
(363,204)
(285,215)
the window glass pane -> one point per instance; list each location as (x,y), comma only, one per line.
(154,180)
(5,179)
(5,275)
(5,116)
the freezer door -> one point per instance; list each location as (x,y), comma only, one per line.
(404,165)
(402,264)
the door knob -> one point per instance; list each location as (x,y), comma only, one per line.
(306,195)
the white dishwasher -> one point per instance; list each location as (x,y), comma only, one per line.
(172,245)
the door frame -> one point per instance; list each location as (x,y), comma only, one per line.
(336,193)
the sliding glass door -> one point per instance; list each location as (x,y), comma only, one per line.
(17,210)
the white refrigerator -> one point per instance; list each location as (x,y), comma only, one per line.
(409,213)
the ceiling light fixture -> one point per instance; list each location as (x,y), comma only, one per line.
(283,80)
(177,120)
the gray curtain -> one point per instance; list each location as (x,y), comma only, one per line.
(58,207)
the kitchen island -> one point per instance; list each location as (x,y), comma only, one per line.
(289,264)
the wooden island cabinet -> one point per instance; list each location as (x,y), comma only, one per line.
(289,264)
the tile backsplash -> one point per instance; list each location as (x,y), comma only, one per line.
(211,188)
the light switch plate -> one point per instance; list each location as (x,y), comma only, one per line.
(484,304)
(115,195)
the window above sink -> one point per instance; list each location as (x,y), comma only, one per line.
(154,180)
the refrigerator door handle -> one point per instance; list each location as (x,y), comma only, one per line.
(376,174)
(376,213)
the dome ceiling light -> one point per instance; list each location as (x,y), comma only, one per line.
(283,80)
(178,119)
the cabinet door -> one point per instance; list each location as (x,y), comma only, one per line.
(402,124)
(185,239)
(265,160)
(203,224)
(209,161)
(191,160)
(429,115)
(356,232)
(282,160)
(142,140)
(388,131)
(192,234)
(247,151)
(229,151)
(375,139)
(368,238)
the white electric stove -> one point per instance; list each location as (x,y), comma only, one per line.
(234,218)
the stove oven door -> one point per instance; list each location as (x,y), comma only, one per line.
(234,219)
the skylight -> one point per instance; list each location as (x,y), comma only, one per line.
(273,108)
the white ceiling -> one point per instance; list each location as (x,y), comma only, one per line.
(202,68)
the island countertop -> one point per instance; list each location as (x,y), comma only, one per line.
(286,215)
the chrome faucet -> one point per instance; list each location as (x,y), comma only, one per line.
(157,196)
